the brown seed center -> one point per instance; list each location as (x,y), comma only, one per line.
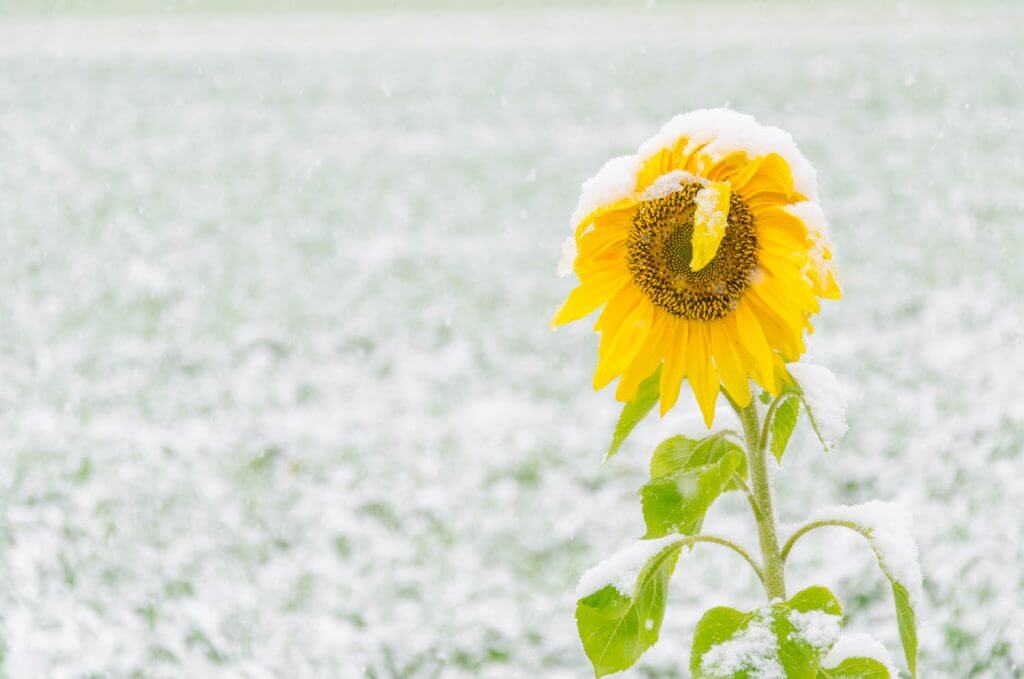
(660,250)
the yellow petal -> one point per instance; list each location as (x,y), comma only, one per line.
(646,360)
(752,338)
(728,353)
(672,373)
(623,343)
(591,294)
(709,222)
(766,174)
(701,372)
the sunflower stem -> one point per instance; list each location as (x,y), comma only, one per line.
(760,486)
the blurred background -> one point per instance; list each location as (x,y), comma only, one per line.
(278,395)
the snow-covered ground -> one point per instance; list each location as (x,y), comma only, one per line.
(278,395)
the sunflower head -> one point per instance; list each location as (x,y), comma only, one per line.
(708,252)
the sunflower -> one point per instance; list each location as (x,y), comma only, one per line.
(708,251)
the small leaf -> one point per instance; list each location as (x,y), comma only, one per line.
(856,668)
(678,503)
(679,453)
(615,629)
(783,423)
(647,396)
(784,639)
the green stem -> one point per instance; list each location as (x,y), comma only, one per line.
(760,486)
(820,524)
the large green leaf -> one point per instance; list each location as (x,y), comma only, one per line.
(678,503)
(783,423)
(617,629)
(856,668)
(636,410)
(784,639)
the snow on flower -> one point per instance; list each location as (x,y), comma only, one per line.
(722,131)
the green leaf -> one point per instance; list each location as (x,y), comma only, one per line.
(678,503)
(729,644)
(647,396)
(856,668)
(783,423)
(679,454)
(615,629)
(905,621)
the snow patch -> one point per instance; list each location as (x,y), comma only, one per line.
(890,527)
(859,646)
(817,628)
(755,650)
(825,400)
(621,569)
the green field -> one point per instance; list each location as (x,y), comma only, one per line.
(278,395)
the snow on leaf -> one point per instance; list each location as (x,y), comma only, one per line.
(859,647)
(888,527)
(622,569)
(826,403)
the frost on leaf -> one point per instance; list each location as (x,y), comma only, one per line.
(817,628)
(754,650)
(622,569)
(825,401)
(785,639)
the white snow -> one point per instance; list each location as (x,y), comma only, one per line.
(354,295)
(855,645)
(725,131)
(825,400)
(891,533)
(817,628)
(755,649)
(615,180)
(622,568)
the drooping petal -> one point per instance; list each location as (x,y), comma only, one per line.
(727,352)
(709,223)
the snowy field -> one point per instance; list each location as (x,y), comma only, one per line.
(278,396)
